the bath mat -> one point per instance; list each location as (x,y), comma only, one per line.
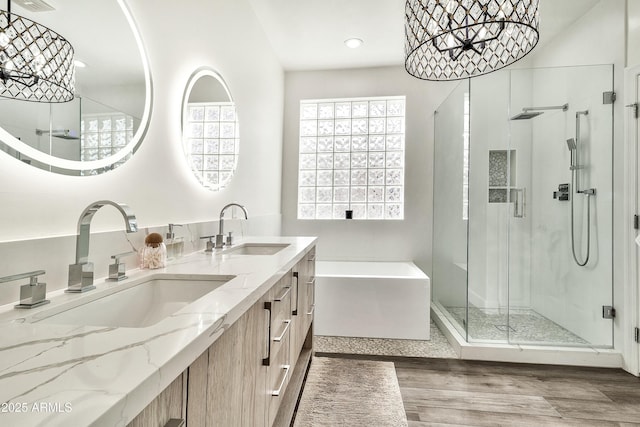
(347,392)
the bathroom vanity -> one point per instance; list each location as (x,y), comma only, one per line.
(231,348)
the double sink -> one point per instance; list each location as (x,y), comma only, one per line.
(148,301)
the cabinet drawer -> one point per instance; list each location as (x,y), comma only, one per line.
(281,306)
(281,336)
(278,378)
(311,298)
(310,284)
(278,308)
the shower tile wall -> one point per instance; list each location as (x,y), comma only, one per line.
(570,295)
(498,168)
(500,177)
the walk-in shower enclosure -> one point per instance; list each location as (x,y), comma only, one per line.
(510,158)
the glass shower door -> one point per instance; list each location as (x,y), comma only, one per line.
(450,207)
(490,201)
(561,221)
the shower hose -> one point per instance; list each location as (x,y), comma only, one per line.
(573,240)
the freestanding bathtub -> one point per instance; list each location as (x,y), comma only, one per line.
(372,299)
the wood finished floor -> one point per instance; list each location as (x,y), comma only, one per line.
(452,392)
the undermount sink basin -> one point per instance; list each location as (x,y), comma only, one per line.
(141,305)
(256,249)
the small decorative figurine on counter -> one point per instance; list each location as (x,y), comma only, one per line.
(154,253)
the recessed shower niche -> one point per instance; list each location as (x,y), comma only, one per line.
(502,175)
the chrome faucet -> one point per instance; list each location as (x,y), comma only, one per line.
(81,273)
(220,235)
(171,235)
(32,294)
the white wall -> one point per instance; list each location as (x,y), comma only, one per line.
(409,239)
(126,98)
(157,182)
(633,32)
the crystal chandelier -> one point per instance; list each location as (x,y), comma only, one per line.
(456,39)
(36,63)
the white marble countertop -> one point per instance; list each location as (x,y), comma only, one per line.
(70,375)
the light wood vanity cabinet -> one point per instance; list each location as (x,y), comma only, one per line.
(167,405)
(301,346)
(297,309)
(252,375)
(302,306)
(310,289)
(279,369)
(235,386)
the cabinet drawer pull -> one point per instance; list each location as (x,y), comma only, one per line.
(312,258)
(284,332)
(175,422)
(277,392)
(313,308)
(294,310)
(284,294)
(266,361)
(312,281)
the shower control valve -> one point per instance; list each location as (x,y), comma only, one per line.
(563,193)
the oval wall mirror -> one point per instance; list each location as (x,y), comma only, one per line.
(106,121)
(210,136)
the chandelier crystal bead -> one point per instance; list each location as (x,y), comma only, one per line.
(457,39)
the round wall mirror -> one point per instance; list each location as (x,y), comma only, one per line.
(210,137)
(106,121)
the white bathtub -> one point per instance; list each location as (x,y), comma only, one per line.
(372,299)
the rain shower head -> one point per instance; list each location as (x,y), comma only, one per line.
(571,143)
(526,115)
(58,133)
(531,112)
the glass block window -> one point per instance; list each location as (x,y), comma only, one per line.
(102,135)
(212,142)
(352,158)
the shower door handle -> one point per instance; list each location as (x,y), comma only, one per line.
(519,202)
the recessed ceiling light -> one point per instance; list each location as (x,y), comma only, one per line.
(79,63)
(353,43)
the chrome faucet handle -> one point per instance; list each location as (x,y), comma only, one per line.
(32,294)
(210,244)
(219,241)
(229,241)
(171,234)
(80,278)
(118,270)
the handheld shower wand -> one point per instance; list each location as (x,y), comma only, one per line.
(573,145)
